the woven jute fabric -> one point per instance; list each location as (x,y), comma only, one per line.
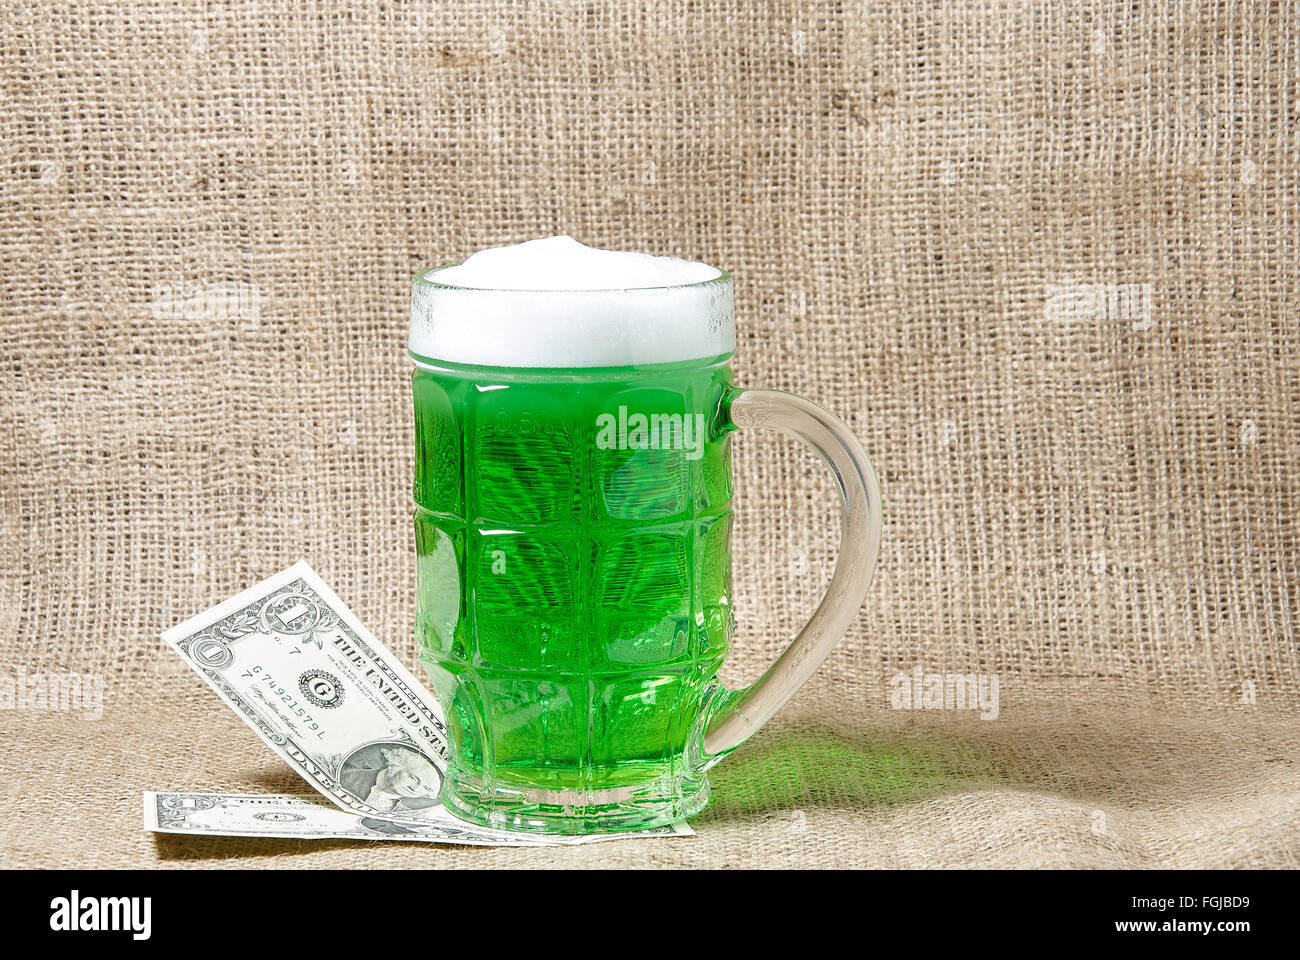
(1041,256)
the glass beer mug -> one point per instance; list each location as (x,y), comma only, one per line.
(573,522)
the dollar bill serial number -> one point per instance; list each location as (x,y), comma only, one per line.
(287,697)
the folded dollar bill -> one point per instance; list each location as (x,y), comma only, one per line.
(299,668)
(308,816)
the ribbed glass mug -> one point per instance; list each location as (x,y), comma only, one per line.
(573,531)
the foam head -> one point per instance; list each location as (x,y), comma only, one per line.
(558,303)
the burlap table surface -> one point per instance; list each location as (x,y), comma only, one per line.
(1041,256)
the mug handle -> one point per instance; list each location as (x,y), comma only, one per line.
(733,715)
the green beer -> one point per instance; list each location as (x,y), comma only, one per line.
(586,515)
(573,412)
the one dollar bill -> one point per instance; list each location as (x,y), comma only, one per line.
(291,660)
(308,816)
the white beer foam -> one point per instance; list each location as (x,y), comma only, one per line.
(557,303)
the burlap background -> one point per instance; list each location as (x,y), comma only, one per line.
(1040,255)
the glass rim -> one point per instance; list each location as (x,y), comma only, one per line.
(422,279)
